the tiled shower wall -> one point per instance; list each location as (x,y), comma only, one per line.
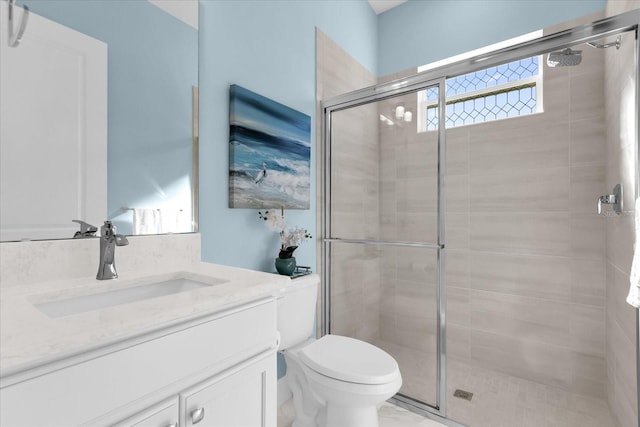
(621,153)
(356,282)
(526,274)
(526,250)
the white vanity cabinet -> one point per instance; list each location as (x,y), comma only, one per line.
(165,414)
(224,362)
(239,399)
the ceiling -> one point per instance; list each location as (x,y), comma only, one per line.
(380,6)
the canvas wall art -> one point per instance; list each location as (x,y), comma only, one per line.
(269,153)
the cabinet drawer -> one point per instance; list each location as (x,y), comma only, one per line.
(87,390)
(164,414)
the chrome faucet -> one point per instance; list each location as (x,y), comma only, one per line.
(86,230)
(108,242)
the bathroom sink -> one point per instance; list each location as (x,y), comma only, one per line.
(82,304)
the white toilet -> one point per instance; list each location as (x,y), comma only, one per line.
(336,381)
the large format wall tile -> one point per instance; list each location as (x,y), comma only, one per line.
(525,275)
(457,268)
(587,281)
(588,236)
(547,364)
(587,183)
(457,230)
(540,233)
(457,152)
(586,99)
(588,141)
(530,146)
(529,190)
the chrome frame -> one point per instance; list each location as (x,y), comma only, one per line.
(575,36)
(384,243)
(441,296)
(195,158)
(440,404)
(582,34)
(326,226)
(637,195)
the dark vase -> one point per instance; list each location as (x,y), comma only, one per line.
(286,266)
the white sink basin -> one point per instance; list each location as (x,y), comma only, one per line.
(82,304)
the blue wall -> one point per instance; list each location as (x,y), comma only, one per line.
(267,47)
(420,32)
(149,129)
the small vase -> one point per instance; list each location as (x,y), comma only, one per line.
(286,266)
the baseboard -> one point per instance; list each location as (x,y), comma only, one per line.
(284,392)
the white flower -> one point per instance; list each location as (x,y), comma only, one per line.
(290,239)
(294,237)
(274,220)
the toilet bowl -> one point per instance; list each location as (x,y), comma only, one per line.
(336,381)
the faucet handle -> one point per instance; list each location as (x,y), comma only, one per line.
(86,229)
(121,240)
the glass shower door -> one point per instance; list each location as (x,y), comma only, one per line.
(383,236)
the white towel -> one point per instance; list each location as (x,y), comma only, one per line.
(634,290)
(145,221)
(168,220)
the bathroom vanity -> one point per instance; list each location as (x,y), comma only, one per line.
(202,353)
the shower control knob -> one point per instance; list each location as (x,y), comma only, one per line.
(614,199)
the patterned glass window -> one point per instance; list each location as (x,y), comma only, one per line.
(508,90)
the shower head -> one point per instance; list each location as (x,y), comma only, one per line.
(564,58)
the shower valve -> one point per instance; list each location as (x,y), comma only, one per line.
(614,199)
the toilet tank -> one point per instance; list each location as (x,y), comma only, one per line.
(297,310)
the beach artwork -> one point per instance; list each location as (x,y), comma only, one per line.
(269,153)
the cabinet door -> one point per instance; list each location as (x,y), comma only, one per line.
(57,79)
(164,414)
(244,398)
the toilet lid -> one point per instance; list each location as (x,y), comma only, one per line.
(351,360)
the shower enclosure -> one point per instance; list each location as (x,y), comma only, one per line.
(385,235)
(474,254)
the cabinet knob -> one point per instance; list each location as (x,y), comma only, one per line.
(197,415)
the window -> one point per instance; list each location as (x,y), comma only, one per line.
(508,90)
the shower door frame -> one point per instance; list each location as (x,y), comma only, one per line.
(327,239)
(628,21)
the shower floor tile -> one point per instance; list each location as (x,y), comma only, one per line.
(505,400)
(499,400)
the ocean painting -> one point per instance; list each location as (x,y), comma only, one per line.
(269,153)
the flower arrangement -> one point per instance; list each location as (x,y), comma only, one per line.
(290,238)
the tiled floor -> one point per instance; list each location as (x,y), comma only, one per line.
(390,416)
(499,400)
(504,400)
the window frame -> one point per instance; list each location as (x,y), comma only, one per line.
(533,81)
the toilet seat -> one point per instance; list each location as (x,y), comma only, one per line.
(350,360)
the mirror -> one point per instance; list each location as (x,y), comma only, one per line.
(98,117)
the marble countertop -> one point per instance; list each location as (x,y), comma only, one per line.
(29,338)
